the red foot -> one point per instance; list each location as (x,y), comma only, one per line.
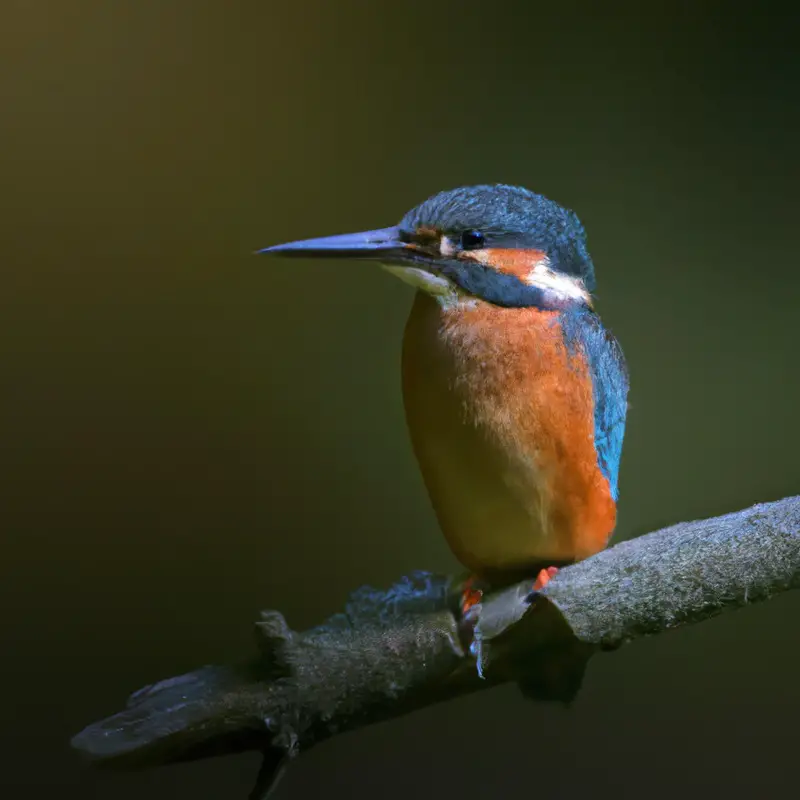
(544,577)
(471,595)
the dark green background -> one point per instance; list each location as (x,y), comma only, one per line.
(191,434)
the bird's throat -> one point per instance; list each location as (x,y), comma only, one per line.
(428,282)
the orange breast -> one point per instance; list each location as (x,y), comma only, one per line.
(501,419)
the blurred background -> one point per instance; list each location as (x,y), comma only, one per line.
(191,434)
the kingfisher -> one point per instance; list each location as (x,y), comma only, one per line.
(515,394)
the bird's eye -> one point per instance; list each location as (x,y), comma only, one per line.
(472,240)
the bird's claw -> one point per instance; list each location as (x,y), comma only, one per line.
(471,596)
(544,577)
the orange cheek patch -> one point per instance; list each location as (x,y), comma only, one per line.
(507,260)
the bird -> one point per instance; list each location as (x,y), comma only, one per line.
(515,394)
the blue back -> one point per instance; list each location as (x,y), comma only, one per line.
(584,331)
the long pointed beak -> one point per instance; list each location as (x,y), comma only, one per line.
(378,245)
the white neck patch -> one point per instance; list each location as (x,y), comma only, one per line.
(557,285)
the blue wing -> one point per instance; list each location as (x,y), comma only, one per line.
(584,331)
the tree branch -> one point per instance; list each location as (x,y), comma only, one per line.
(394,651)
